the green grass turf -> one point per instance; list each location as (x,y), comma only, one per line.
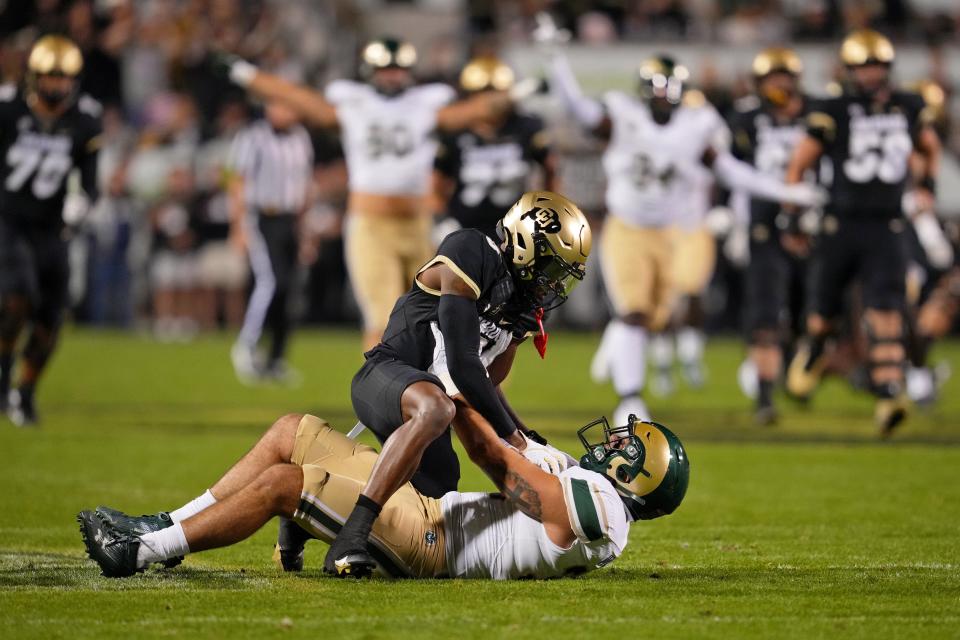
(811,529)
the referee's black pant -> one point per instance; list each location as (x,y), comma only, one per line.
(272,245)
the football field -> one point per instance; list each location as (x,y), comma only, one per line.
(810,529)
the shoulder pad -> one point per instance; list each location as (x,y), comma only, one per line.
(8,92)
(88,106)
(340,90)
(694,99)
(434,92)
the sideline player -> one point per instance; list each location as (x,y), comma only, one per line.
(766,127)
(482,170)
(869,133)
(386,125)
(539,526)
(46,130)
(658,149)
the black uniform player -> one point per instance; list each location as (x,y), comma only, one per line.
(455,333)
(45,132)
(869,133)
(765,129)
(482,170)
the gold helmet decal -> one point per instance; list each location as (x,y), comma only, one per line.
(866,46)
(776,59)
(486,72)
(55,55)
(547,240)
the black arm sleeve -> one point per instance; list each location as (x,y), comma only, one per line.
(460,327)
(88,176)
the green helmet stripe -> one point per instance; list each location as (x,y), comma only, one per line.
(586,510)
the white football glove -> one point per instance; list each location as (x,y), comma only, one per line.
(547,34)
(804,194)
(548,458)
(736,247)
(933,240)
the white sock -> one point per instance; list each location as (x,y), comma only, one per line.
(661,351)
(600,364)
(920,383)
(628,358)
(690,345)
(161,545)
(193,507)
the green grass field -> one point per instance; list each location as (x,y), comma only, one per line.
(811,529)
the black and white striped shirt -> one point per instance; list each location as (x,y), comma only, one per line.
(276,166)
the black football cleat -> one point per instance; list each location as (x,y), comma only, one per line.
(291,539)
(358,564)
(139,525)
(115,552)
(21,410)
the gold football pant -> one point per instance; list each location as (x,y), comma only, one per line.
(383,254)
(694,258)
(637,265)
(407,539)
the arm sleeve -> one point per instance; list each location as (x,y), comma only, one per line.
(446,160)
(737,175)
(460,326)
(586,111)
(87,162)
(821,125)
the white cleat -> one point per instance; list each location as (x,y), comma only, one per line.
(244,364)
(600,366)
(748,379)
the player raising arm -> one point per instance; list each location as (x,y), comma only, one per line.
(386,124)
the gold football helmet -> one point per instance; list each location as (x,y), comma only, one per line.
(662,77)
(934,97)
(777,60)
(546,240)
(53,55)
(866,46)
(486,73)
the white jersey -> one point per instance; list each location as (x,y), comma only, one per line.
(387,140)
(487,537)
(654,171)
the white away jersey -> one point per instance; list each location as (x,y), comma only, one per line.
(489,538)
(654,172)
(387,140)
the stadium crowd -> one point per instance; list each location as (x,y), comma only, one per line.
(154,251)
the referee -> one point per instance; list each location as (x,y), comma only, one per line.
(271,168)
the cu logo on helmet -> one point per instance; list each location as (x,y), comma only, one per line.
(544,220)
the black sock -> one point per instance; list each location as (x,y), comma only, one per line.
(26,392)
(6,369)
(817,345)
(765,393)
(358,525)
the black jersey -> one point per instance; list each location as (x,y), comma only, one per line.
(36,158)
(413,334)
(490,174)
(766,142)
(869,145)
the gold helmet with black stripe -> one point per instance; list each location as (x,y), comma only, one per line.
(486,73)
(868,56)
(58,57)
(546,239)
(776,73)
(645,461)
(866,46)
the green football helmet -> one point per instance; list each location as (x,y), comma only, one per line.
(645,461)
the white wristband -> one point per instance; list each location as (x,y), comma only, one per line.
(242,73)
